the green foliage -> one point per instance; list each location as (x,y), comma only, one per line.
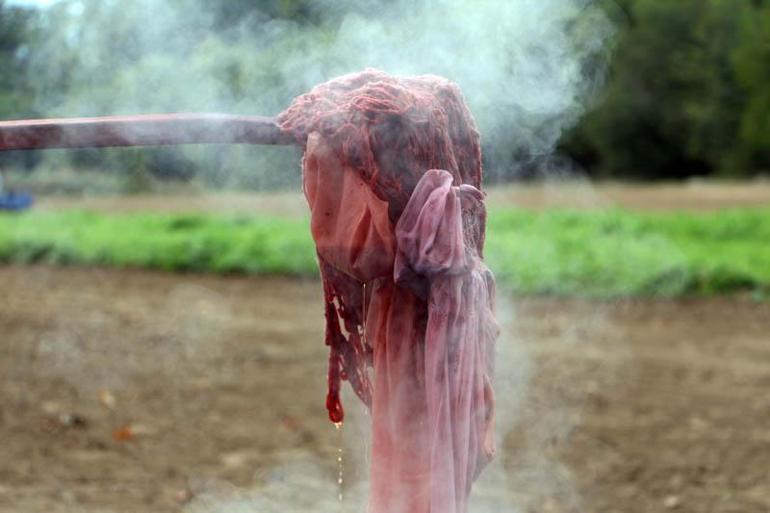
(576,253)
(17,28)
(688,92)
(181,60)
(752,63)
(168,242)
(618,253)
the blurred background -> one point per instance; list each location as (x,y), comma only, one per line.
(161,318)
(670,90)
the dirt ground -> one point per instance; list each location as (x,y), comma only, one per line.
(577,194)
(133,391)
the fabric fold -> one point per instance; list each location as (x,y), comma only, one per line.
(398,220)
(459,335)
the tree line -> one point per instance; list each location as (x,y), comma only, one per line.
(686,91)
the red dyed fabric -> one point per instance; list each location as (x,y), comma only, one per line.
(392,175)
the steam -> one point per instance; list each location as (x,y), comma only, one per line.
(525,66)
(302,482)
(528,68)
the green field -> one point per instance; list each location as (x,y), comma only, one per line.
(599,253)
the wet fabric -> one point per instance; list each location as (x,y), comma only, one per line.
(392,175)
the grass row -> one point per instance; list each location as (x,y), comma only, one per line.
(581,253)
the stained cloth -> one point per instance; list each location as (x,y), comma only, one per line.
(392,175)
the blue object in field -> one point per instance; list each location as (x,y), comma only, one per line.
(15,201)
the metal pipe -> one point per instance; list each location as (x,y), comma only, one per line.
(141,130)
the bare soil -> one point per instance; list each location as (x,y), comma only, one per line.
(697,196)
(134,391)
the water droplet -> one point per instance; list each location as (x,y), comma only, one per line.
(339,463)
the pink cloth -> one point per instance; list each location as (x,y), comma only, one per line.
(392,174)
(429,327)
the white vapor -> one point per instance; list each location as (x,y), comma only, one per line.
(528,68)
